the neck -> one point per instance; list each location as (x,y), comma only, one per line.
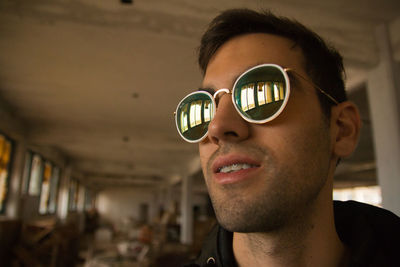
(311,240)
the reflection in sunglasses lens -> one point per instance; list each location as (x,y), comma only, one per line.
(194,114)
(260,93)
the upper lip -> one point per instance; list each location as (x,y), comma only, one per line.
(227,160)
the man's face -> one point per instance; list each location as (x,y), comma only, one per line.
(263,176)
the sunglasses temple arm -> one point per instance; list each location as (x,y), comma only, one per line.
(313,84)
(327,95)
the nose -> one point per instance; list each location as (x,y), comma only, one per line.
(227,125)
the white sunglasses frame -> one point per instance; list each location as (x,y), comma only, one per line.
(231,91)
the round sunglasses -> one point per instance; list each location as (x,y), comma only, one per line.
(259,95)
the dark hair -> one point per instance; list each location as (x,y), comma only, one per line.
(322,62)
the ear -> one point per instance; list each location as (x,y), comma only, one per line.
(345,125)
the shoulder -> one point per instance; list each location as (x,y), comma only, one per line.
(361,217)
(372,233)
(374,216)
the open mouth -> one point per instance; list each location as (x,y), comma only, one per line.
(235,167)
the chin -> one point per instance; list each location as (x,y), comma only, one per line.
(247,222)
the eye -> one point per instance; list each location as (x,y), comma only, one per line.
(210,90)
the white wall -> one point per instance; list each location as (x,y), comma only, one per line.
(117,204)
(384,99)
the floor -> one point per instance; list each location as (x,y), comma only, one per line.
(122,252)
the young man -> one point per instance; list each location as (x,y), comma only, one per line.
(272,122)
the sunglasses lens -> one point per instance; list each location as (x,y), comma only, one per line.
(193,116)
(259,94)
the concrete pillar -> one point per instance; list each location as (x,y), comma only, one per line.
(81,198)
(383,93)
(81,208)
(14,194)
(186,211)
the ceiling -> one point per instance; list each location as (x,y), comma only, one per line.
(98,80)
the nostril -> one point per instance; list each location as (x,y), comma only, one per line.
(215,140)
(231,133)
(226,135)
(227,124)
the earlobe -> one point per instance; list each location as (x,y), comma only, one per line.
(346,124)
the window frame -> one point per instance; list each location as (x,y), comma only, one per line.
(9,170)
(27,175)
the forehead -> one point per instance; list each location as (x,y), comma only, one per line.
(242,52)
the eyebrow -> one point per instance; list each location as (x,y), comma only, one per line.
(207,89)
(293,80)
(212,90)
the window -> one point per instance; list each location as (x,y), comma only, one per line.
(45,190)
(261,93)
(278,91)
(250,96)
(195,113)
(54,182)
(41,178)
(199,111)
(367,194)
(35,176)
(5,163)
(207,110)
(184,117)
(268,92)
(243,98)
(73,195)
(247,97)
(26,173)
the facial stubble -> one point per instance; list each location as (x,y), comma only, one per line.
(282,195)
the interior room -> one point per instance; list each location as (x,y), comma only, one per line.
(92,169)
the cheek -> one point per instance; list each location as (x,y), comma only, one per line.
(205,153)
(289,139)
(274,135)
(294,125)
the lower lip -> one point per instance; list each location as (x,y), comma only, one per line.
(236,176)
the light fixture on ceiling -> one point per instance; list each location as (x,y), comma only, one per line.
(130,2)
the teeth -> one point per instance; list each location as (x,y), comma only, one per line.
(235,167)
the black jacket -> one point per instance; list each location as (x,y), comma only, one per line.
(371,233)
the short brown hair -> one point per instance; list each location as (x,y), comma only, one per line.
(323,63)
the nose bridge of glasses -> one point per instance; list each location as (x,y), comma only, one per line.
(223,90)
